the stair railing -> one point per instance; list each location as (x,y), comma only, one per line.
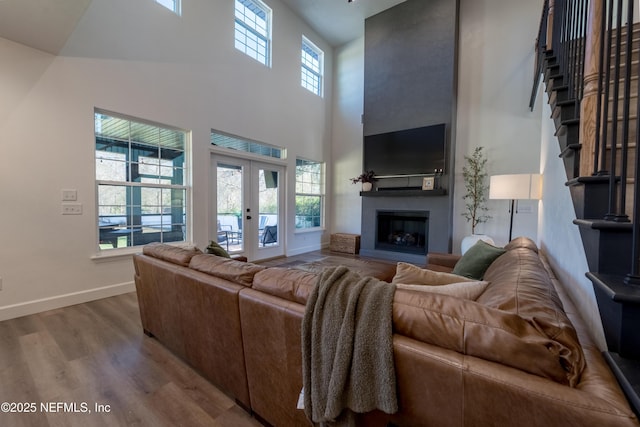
(541,50)
(592,41)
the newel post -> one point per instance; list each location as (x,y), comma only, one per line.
(588,105)
(552,8)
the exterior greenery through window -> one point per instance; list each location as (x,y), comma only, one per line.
(312,67)
(172,5)
(141,179)
(309,194)
(253,29)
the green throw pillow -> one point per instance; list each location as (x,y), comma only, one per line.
(476,260)
(215,249)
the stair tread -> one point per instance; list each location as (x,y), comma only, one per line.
(587,179)
(614,286)
(602,224)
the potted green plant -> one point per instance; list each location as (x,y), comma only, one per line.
(475,197)
(366,178)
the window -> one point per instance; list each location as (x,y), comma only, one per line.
(312,65)
(309,194)
(172,5)
(253,29)
(141,179)
(235,143)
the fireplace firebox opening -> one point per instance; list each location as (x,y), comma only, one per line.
(402,231)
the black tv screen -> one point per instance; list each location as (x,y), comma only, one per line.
(415,151)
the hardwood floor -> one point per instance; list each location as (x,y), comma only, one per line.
(95,354)
(91,365)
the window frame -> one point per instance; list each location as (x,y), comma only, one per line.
(249,30)
(307,70)
(320,194)
(145,184)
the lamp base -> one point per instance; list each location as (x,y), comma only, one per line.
(471,240)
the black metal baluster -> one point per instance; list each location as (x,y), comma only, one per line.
(611,215)
(624,151)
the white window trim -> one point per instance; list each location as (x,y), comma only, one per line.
(187,186)
(269,38)
(320,52)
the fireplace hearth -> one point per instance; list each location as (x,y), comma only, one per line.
(402,231)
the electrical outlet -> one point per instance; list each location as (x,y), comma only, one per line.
(69,195)
(525,209)
(72,209)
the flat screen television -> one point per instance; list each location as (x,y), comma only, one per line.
(417,151)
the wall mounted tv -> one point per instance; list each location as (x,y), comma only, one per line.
(417,151)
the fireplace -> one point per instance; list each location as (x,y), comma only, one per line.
(402,231)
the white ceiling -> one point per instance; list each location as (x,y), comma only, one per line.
(338,21)
(47,24)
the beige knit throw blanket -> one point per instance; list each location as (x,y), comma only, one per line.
(347,348)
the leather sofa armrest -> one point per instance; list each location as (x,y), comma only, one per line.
(440,261)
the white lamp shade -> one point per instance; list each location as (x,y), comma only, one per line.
(516,186)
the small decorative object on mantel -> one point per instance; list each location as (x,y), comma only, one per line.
(366,178)
(475,198)
(428,182)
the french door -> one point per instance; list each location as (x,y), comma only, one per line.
(249,201)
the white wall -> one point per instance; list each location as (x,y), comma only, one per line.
(346,156)
(558,237)
(138,59)
(495,76)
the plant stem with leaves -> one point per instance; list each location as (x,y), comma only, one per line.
(475,176)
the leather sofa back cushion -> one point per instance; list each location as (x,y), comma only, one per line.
(521,285)
(225,268)
(473,329)
(173,254)
(290,284)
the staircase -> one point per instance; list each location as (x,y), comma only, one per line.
(589,61)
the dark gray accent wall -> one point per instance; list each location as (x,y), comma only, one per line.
(410,81)
(409,66)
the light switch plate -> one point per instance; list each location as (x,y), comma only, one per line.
(72,209)
(69,195)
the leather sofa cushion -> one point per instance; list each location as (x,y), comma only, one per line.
(473,329)
(173,254)
(290,284)
(521,285)
(225,268)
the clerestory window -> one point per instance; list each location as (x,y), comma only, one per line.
(172,5)
(312,67)
(253,29)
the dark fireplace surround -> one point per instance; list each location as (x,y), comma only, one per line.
(402,231)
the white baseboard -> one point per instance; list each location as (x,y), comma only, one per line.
(51,303)
(304,250)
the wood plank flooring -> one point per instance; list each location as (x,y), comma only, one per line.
(96,354)
(91,365)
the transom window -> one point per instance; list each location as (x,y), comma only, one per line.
(312,67)
(141,179)
(309,194)
(241,144)
(253,29)
(172,5)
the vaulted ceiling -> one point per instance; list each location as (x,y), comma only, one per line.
(47,24)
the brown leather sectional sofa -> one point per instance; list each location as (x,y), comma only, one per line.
(511,358)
